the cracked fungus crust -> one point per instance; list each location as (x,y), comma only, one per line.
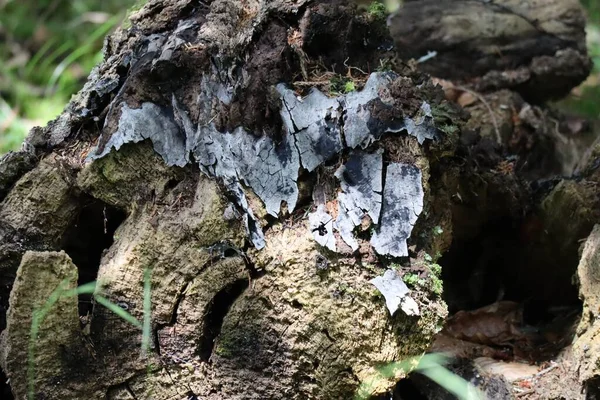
(317,128)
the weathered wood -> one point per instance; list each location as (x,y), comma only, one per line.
(534,47)
(249,157)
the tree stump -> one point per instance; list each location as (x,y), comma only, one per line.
(274,173)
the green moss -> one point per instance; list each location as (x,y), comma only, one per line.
(412,279)
(437,286)
(447,117)
(236,343)
(337,84)
(435,282)
(349,87)
(378,270)
(436,269)
(344,288)
(377,10)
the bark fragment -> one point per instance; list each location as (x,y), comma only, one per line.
(402,204)
(149,122)
(396,293)
(58,343)
(587,344)
(362,187)
(321,225)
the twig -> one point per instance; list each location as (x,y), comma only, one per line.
(351,68)
(526,393)
(310,83)
(546,370)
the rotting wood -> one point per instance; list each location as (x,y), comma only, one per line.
(207,144)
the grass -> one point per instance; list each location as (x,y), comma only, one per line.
(430,365)
(61,292)
(47,49)
(146,326)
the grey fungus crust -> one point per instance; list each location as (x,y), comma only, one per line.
(316,129)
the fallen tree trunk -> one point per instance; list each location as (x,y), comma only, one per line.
(257,182)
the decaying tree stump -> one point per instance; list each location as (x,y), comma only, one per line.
(276,170)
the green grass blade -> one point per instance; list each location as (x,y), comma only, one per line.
(31,64)
(147,310)
(52,57)
(452,383)
(115,309)
(86,288)
(39,314)
(430,365)
(84,49)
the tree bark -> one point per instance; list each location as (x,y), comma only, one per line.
(275,170)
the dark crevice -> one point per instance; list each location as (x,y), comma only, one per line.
(5,392)
(156,337)
(592,389)
(213,319)
(87,239)
(130,391)
(517,260)
(507,260)
(218,251)
(297,305)
(191,396)
(405,389)
(327,335)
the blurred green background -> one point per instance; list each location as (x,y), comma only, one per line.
(585,100)
(48,47)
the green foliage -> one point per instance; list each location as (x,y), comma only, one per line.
(147,310)
(586,103)
(433,281)
(47,49)
(412,279)
(118,311)
(339,84)
(437,285)
(430,365)
(435,272)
